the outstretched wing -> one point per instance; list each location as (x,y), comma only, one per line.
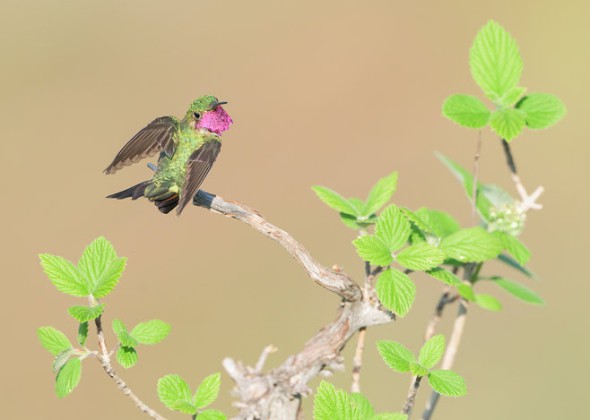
(156,137)
(197,168)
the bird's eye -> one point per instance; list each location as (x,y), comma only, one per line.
(197,115)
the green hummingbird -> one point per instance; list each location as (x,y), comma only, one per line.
(188,148)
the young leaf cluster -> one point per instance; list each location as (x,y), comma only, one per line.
(175,394)
(496,66)
(335,404)
(354,212)
(150,332)
(401,359)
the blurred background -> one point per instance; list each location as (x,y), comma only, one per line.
(338,93)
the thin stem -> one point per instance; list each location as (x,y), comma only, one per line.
(411,398)
(357,361)
(105,360)
(527,201)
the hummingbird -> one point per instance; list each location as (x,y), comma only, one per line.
(188,148)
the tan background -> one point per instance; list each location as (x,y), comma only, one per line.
(338,93)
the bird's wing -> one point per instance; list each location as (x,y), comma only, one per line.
(197,168)
(157,136)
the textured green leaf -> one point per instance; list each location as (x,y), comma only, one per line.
(150,332)
(208,391)
(397,356)
(396,291)
(127,356)
(512,96)
(335,200)
(466,110)
(420,257)
(123,335)
(82,333)
(445,276)
(488,302)
(52,340)
(542,110)
(417,221)
(374,250)
(471,245)
(447,383)
(61,359)
(351,221)
(518,290)
(393,227)
(515,247)
(95,259)
(64,275)
(85,313)
(417,369)
(68,377)
(508,123)
(441,223)
(175,394)
(495,62)
(211,414)
(363,406)
(330,404)
(110,277)
(380,194)
(432,351)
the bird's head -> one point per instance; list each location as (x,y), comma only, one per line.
(206,112)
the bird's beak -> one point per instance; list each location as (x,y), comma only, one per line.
(216,104)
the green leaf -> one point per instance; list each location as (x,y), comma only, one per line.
(432,351)
(421,256)
(127,356)
(335,200)
(508,260)
(471,245)
(512,96)
(542,110)
(466,110)
(330,403)
(124,337)
(397,356)
(488,302)
(64,275)
(390,416)
(110,277)
(95,260)
(417,369)
(61,359)
(466,292)
(85,313)
(380,194)
(374,250)
(150,332)
(508,123)
(363,406)
(495,62)
(417,221)
(68,377)
(82,333)
(52,340)
(442,224)
(518,290)
(175,394)
(445,276)
(396,291)
(211,414)
(515,247)
(466,178)
(447,383)
(207,391)
(393,227)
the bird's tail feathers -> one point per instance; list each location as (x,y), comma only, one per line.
(133,192)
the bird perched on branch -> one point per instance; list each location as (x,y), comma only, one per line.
(188,148)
